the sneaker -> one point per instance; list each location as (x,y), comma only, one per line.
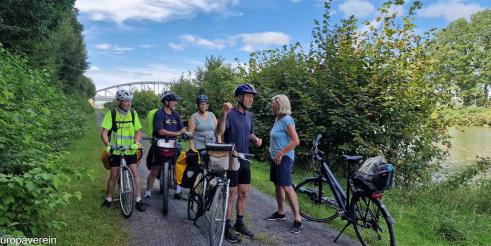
(276,216)
(140,206)
(231,236)
(178,196)
(106,203)
(242,229)
(297,227)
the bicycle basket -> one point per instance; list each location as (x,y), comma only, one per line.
(166,148)
(221,158)
(375,175)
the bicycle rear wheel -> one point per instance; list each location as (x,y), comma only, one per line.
(165,186)
(196,200)
(126,192)
(217,214)
(316,200)
(371,221)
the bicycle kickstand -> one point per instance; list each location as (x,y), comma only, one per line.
(341,232)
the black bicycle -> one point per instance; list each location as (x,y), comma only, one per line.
(371,220)
(168,150)
(208,196)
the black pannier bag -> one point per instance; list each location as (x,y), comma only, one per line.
(375,175)
(193,169)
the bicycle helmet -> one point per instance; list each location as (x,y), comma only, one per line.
(201,98)
(245,88)
(123,94)
(169,96)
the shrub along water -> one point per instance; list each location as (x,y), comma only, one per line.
(37,122)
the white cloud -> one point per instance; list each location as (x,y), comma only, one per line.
(248,41)
(103,46)
(146,46)
(295,1)
(450,10)
(112,48)
(359,8)
(177,47)
(211,44)
(94,68)
(154,10)
(152,72)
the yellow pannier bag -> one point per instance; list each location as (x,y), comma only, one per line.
(180,166)
(105,158)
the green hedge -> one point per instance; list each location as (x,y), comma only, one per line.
(38,123)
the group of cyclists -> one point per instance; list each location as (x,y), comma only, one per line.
(235,126)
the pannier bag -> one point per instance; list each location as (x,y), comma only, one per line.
(180,167)
(375,175)
(221,158)
(192,169)
(166,148)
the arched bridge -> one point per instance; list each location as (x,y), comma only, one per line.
(109,93)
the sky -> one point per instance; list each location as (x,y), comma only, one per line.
(160,40)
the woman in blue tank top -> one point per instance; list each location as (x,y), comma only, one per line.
(202,125)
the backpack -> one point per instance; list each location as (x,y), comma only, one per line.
(114,127)
(375,175)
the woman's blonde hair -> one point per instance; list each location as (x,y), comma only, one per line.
(282,100)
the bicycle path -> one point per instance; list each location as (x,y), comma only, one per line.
(152,228)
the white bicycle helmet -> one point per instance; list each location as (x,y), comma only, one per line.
(123,94)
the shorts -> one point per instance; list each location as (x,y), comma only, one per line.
(241,176)
(116,159)
(282,174)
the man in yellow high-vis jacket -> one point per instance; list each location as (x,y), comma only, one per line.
(127,134)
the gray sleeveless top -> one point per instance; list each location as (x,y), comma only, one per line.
(204,131)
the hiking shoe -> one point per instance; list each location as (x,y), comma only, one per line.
(242,229)
(178,196)
(276,216)
(106,203)
(231,236)
(140,206)
(297,227)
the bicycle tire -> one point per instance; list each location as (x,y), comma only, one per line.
(217,215)
(371,221)
(316,200)
(165,187)
(196,200)
(126,192)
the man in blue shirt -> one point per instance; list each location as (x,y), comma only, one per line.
(237,127)
(166,124)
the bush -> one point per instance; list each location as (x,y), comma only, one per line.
(38,122)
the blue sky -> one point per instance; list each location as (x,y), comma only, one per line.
(141,40)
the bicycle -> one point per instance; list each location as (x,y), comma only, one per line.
(365,211)
(126,184)
(209,195)
(167,149)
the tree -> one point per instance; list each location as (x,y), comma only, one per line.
(463,55)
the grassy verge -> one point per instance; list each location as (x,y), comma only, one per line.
(86,222)
(430,216)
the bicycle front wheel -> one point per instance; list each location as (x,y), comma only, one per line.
(316,200)
(196,199)
(165,175)
(217,214)
(371,221)
(126,192)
